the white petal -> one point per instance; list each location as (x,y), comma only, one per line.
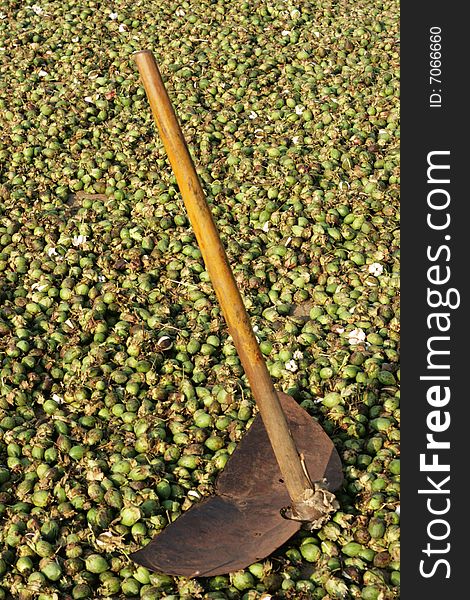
(291,365)
(78,240)
(113,16)
(122,28)
(376,269)
(356,336)
(43,73)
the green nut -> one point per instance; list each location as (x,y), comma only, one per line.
(95,563)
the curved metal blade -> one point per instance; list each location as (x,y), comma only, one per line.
(242,523)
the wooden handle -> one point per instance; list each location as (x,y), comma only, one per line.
(222,279)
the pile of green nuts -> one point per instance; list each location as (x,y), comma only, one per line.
(121,393)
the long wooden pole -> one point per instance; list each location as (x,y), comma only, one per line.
(296,480)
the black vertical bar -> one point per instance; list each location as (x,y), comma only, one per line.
(434,221)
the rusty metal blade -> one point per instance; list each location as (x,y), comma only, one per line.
(242,522)
(218,535)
